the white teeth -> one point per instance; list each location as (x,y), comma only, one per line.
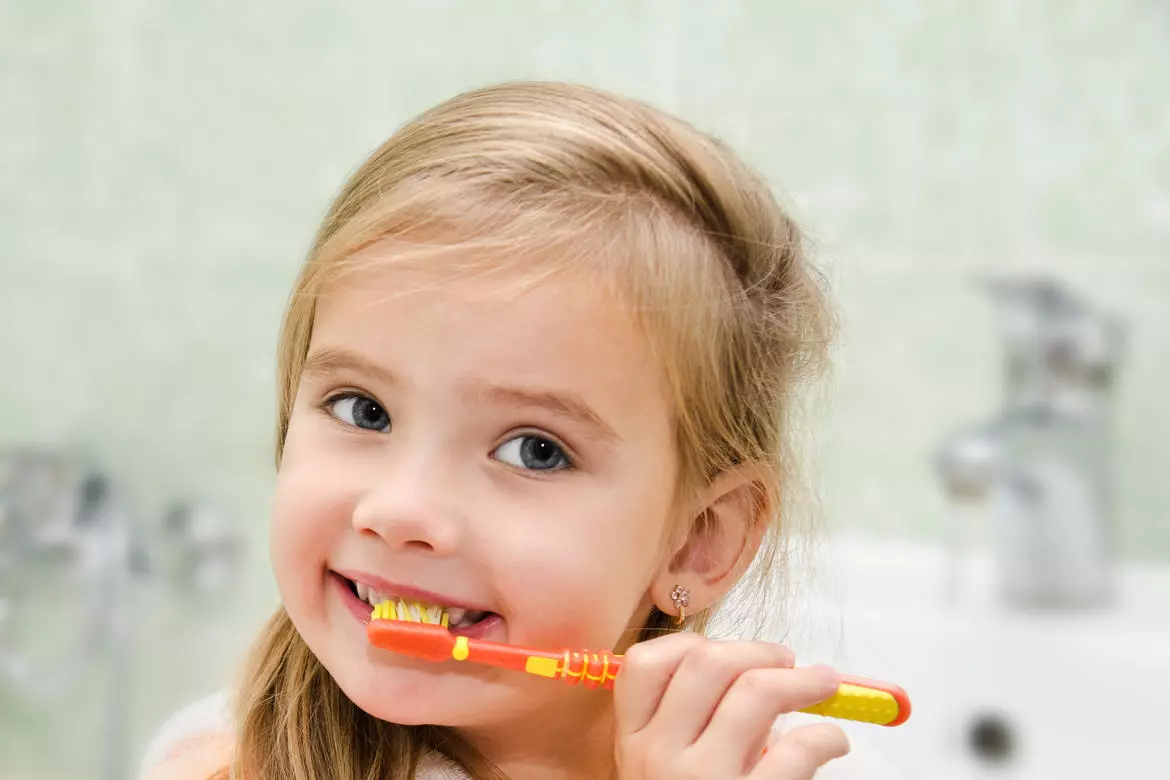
(419,612)
(368,594)
(467,617)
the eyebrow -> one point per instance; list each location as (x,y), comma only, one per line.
(565,405)
(332,361)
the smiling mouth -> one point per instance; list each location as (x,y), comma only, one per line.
(397,608)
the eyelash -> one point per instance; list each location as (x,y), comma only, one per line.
(536,433)
(327,404)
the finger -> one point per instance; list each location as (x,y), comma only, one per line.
(703,677)
(647,669)
(801,752)
(743,720)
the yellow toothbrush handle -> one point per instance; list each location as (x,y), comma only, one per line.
(867,701)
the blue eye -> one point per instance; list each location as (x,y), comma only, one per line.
(360,412)
(534,453)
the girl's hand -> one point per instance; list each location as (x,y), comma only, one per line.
(689,707)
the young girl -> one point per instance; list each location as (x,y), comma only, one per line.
(538,369)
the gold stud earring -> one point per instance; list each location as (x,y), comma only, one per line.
(682,599)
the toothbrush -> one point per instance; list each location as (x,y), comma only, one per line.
(858,699)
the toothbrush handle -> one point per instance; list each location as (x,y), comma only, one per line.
(593,670)
(867,701)
(572,667)
(858,698)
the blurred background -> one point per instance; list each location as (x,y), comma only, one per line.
(988,184)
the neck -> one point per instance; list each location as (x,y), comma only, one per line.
(571,741)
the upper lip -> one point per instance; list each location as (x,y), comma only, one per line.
(407,592)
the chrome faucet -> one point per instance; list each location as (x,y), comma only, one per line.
(1043,465)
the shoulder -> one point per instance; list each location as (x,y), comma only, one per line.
(198,740)
(435,767)
(195,742)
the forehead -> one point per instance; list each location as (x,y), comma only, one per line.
(564,330)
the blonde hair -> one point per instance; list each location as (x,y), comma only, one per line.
(569,178)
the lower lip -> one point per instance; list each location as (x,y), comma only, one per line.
(358,608)
(362,611)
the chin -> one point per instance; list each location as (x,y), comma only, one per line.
(426,694)
(409,698)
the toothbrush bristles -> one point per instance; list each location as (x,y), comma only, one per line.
(410,612)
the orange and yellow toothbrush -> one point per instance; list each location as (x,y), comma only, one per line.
(858,699)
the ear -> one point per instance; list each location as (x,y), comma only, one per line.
(727,524)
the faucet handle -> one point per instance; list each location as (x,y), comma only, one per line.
(969,463)
(198,546)
(1086,348)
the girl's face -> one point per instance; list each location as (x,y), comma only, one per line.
(508,454)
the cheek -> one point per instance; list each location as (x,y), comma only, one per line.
(309,513)
(583,576)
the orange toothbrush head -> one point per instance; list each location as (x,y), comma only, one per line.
(421,640)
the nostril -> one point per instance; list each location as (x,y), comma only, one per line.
(432,533)
(418,545)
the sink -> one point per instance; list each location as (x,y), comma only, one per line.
(997,693)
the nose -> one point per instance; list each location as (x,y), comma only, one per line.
(411,514)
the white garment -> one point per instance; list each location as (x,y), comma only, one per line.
(211,715)
(206,716)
